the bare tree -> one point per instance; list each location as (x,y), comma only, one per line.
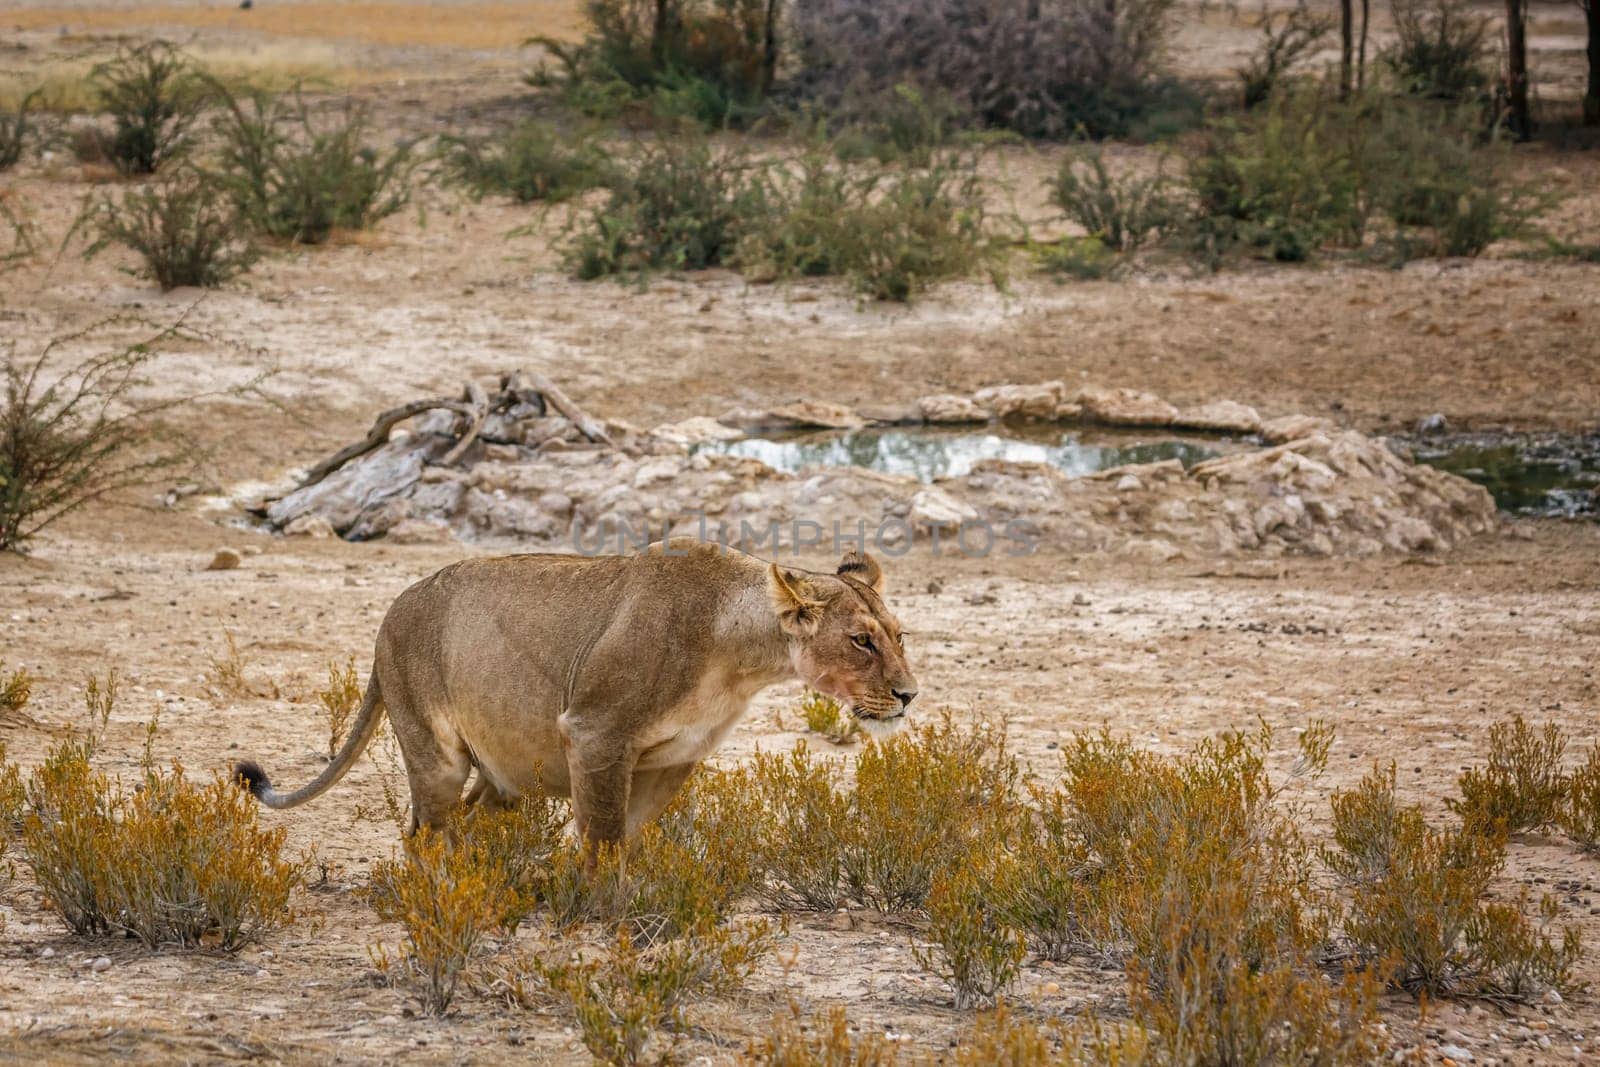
(1517,67)
(1591,96)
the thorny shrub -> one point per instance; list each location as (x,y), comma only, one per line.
(1416,902)
(339,700)
(184,230)
(1522,787)
(15,130)
(1442,50)
(530,161)
(171,862)
(1579,817)
(73,433)
(902,125)
(972,948)
(154,97)
(1121,213)
(801,867)
(1046,889)
(1041,70)
(297,178)
(1288,39)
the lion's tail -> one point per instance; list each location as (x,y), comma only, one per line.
(253,778)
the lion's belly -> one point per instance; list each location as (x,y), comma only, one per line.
(519,751)
(695,728)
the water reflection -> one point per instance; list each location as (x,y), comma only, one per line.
(927,453)
(1557,476)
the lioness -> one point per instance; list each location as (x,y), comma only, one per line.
(607,679)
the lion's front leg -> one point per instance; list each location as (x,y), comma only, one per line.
(652,791)
(601,771)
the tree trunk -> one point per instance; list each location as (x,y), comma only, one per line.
(1591,99)
(1517,67)
(769,52)
(1347,44)
(1361,59)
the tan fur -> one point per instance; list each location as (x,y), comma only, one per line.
(607,679)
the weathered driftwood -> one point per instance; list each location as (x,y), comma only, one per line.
(480,411)
(587,424)
(380,433)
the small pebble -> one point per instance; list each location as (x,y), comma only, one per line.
(225,559)
(101,963)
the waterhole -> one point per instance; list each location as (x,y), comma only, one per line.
(1527,474)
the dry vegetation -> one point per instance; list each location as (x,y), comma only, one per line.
(1232,909)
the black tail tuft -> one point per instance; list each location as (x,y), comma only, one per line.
(250,775)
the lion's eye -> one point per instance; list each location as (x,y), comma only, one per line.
(862,641)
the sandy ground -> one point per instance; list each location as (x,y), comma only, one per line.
(1411,659)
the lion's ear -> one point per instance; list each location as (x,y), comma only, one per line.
(863,568)
(798,612)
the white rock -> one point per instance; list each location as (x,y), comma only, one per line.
(309,526)
(1456,1052)
(101,964)
(418,532)
(1295,427)
(696,431)
(1022,401)
(1129,483)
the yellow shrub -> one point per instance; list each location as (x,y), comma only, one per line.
(171,863)
(1579,817)
(339,701)
(15,689)
(1417,901)
(921,800)
(807,817)
(448,897)
(973,950)
(1522,787)
(832,1044)
(824,716)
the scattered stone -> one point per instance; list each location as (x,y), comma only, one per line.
(1433,425)
(808,415)
(946,408)
(1079,600)
(225,559)
(935,587)
(891,414)
(1126,407)
(1129,483)
(1022,401)
(935,509)
(1456,1052)
(1224,416)
(101,964)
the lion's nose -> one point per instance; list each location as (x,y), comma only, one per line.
(905,696)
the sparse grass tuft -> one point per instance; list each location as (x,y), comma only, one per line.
(15,688)
(1417,902)
(183,229)
(1522,787)
(228,673)
(793,1041)
(1288,39)
(339,701)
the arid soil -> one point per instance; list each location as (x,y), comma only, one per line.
(1410,658)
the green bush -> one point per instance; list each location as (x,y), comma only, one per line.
(677,205)
(1083,258)
(184,229)
(1121,213)
(891,234)
(154,97)
(1284,181)
(531,161)
(1445,188)
(708,60)
(902,124)
(1442,50)
(296,179)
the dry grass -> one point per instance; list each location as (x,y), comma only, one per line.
(339,701)
(466,25)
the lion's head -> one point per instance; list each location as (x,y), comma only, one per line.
(844,641)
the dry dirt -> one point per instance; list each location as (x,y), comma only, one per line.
(1411,659)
